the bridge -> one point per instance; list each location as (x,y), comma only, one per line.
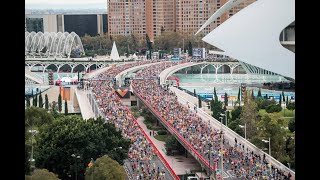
(229,134)
(97,111)
(229,67)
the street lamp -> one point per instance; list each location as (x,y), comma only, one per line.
(269,145)
(225,116)
(289,165)
(245,129)
(77,157)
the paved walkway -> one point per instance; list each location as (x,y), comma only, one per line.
(179,163)
(84,104)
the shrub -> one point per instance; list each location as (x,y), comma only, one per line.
(149,126)
(273,108)
(134,109)
(162,132)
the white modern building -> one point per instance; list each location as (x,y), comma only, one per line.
(261,34)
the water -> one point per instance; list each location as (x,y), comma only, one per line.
(225,83)
(228,78)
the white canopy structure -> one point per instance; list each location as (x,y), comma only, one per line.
(134,56)
(51,44)
(252,35)
(114,52)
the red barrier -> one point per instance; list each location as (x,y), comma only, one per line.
(176,79)
(175,132)
(159,154)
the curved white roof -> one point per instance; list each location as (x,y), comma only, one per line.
(52,44)
(252,36)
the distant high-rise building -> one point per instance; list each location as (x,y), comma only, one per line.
(126,17)
(155,16)
(81,24)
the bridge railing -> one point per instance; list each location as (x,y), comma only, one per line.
(174,132)
(230,135)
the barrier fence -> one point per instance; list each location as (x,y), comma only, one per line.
(230,135)
(183,142)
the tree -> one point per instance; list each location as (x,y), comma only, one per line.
(41,174)
(273,108)
(292,125)
(291,106)
(35,100)
(162,29)
(239,94)
(215,94)
(105,168)
(69,135)
(280,100)
(26,159)
(199,101)
(225,100)
(271,125)
(235,114)
(40,101)
(216,107)
(259,93)
(190,49)
(266,96)
(287,101)
(194,92)
(284,100)
(35,116)
(28,102)
(252,95)
(172,144)
(59,103)
(65,107)
(249,115)
(46,102)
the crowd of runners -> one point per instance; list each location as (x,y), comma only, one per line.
(198,133)
(141,154)
(205,139)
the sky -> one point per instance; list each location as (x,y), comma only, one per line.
(65,4)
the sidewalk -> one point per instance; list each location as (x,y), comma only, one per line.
(179,163)
(84,104)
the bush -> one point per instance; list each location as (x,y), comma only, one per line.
(162,132)
(149,126)
(135,114)
(273,108)
(266,103)
(134,109)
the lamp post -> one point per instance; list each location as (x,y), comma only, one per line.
(269,145)
(77,157)
(245,129)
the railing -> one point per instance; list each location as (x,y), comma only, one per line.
(173,131)
(162,159)
(231,135)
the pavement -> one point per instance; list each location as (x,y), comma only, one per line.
(84,104)
(179,163)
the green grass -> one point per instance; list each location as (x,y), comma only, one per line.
(161,137)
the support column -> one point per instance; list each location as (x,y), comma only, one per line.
(138,103)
